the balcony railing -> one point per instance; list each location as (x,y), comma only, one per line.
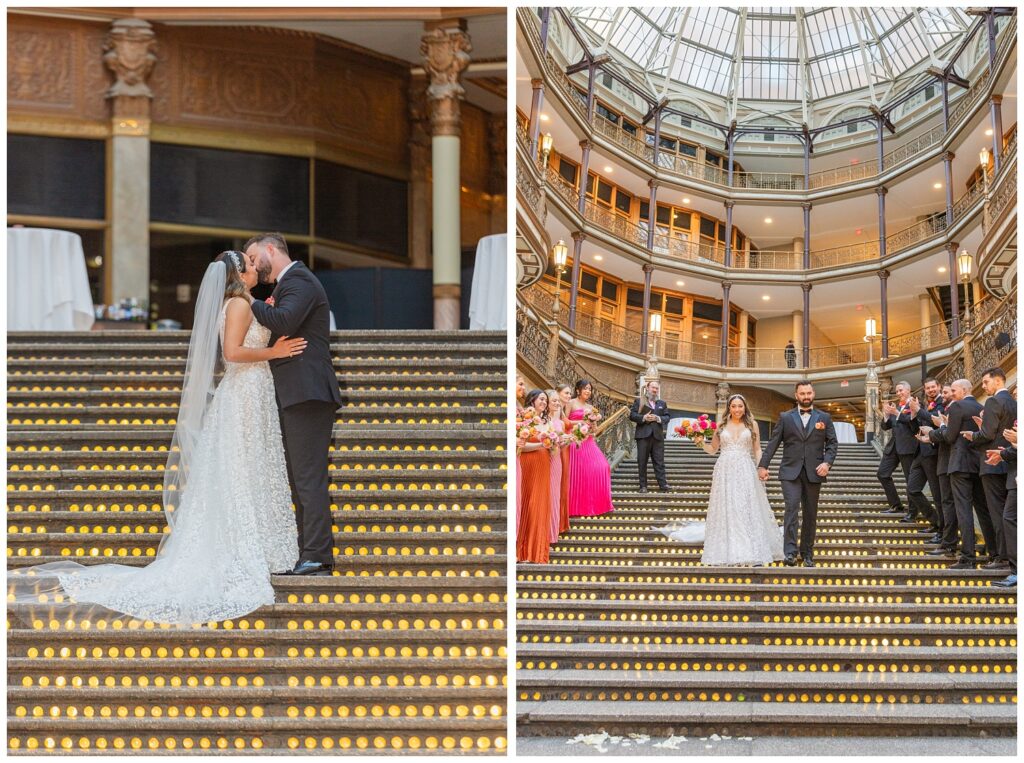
(1004,195)
(920,340)
(615,224)
(819,179)
(767,259)
(531,191)
(917,232)
(844,255)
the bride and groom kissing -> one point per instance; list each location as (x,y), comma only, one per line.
(740,528)
(244,450)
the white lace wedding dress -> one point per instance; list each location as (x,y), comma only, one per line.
(233,525)
(740,527)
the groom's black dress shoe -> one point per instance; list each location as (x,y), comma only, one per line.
(789,561)
(894,510)
(808,562)
(312,568)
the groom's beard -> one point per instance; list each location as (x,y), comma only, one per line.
(263,271)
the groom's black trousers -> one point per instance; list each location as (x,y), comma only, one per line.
(307,429)
(801,497)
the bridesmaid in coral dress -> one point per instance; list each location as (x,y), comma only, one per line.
(590,481)
(565,397)
(558,428)
(533,538)
(520,397)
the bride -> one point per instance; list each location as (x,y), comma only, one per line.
(226,495)
(741,527)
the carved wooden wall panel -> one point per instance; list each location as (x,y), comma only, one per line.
(55,66)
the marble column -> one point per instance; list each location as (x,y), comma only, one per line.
(574,289)
(129,52)
(645,327)
(924,306)
(996,112)
(798,328)
(419,174)
(744,337)
(445,47)
(883,277)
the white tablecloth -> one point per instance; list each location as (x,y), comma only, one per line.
(845,431)
(488,297)
(47,283)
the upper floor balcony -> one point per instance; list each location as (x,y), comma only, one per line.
(985,200)
(636,146)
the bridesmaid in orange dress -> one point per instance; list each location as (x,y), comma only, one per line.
(533,539)
(558,428)
(520,396)
(564,396)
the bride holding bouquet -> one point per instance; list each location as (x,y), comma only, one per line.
(740,527)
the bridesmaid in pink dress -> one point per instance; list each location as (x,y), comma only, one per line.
(590,480)
(555,414)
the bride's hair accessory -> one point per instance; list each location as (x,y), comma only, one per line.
(236,258)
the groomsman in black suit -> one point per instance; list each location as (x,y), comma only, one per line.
(925,467)
(1008,456)
(901,450)
(949,542)
(651,417)
(964,465)
(999,413)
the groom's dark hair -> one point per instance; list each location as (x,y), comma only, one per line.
(802,383)
(277,239)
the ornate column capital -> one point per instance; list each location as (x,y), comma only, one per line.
(806,206)
(579,236)
(883,274)
(652,184)
(445,49)
(726,285)
(129,51)
(881,190)
(948,156)
(729,203)
(806,286)
(648,268)
(586,144)
(996,99)
(537,83)
(953,246)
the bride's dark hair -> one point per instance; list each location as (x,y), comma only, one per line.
(531,398)
(748,417)
(236,265)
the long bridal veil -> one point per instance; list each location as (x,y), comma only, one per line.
(40,588)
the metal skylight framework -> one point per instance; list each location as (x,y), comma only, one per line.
(780,61)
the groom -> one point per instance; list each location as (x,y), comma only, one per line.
(809,449)
(307,392)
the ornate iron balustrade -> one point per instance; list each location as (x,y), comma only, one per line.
(620,137)
(607,332)
(845,255)
(992,340)
(912,148)
(615,224)
(848,354)
(767,181)
(561,81)
(768,259)
(566,190)
(523,135)
(968,199)
(907,237)
(840,175)
(1005,193)
(920,340)
(768,358)
(531,191)
(690,251)
(690,352)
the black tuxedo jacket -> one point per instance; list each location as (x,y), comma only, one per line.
(924,419)
(805,447)
(645,429)
(902,432)
(999,413)
(301,310)
(962,457)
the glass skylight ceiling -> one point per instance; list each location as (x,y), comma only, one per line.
(775,54)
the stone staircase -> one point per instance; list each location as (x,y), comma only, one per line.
(402,650)
(624,632)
